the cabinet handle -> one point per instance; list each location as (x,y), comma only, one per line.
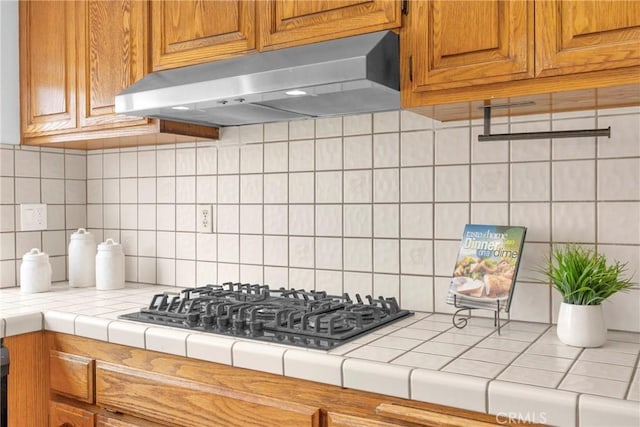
(66,425)
(427,418)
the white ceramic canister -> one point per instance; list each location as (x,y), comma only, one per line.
(35,272)
(82,259)
(109,266)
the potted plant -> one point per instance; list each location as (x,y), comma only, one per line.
(584,279)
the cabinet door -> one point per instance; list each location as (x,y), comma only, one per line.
(112,56)
(178,401)
(589,35)
(71,376)
(187,32)
(456,44)
(63,415)
(295,22)
(47,66)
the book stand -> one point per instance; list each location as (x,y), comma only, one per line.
(460,320)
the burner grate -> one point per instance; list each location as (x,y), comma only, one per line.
(312,319)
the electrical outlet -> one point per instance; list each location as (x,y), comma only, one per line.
(205,219)
(33,217)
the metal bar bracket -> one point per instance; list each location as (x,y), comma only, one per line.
(488,136)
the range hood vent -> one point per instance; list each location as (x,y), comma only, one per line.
(345,76)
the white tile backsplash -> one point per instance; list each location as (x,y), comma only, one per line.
(530,182)
(301,155)
(361,193)
(489,183)
(416,148)
(276,131)
(625,133)
(416,184)
(574,148)
(386,150)
(451,183)
(452,145)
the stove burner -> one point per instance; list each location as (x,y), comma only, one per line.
(310,319)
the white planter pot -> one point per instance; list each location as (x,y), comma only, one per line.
(581,325)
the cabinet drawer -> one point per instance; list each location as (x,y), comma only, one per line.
(63,415)
(181,402)
(335,419)
(72,375)
(122,421)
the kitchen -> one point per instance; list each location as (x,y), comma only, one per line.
(369,203)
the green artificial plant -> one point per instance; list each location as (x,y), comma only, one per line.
(583,277)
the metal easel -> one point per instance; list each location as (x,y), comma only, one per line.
(460,321)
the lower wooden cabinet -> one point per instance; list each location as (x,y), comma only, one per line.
(63,415)
(121,420)
(139,388)
(192,403)
(71,375)
(342,420)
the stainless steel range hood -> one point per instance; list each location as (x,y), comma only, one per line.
(345,76)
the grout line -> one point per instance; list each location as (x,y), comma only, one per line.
(634,371)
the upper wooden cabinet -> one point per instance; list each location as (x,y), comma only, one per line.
(464,43)
(188,32)
(454,52)
(47,67)
(293,22)
(75,57)
(111,57)
(193,31)
(588,35)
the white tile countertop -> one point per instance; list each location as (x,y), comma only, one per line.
(525,372)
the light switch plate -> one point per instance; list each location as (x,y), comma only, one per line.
(33,217)
(205,219)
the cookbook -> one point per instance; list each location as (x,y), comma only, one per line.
(487,265)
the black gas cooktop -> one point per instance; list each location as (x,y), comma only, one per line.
(311,319)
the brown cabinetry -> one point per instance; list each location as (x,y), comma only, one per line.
(47,67)
(464,43)
(71,376)
(113,420)
(63,415)
(191,32)
(75,57)
(111,57)
(28,390)
(589,35)
(188,32)
(456,51)
(192,403)
(136,388)
(335,419)
(293,22)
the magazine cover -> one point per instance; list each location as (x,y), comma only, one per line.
(487,266)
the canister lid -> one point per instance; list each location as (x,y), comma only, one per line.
(35,255)
(82,234)
(110,245)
